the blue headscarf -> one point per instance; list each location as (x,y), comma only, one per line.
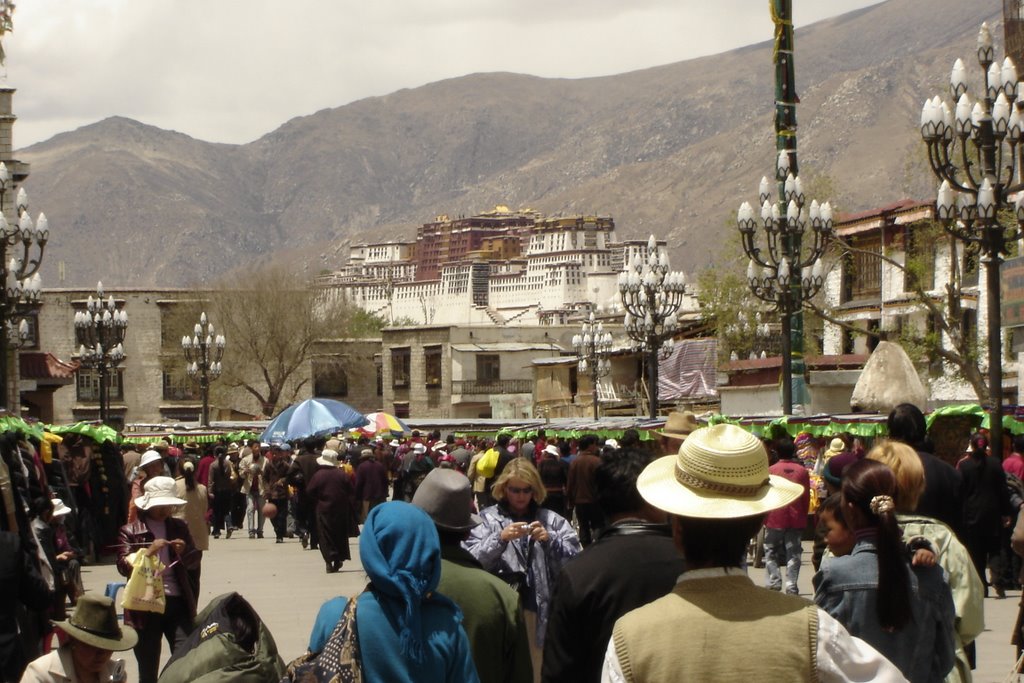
(401,554)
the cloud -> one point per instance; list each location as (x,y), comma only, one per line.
(232,70)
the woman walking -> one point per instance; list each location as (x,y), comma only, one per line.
(401,628)
(194,513)
(156,532)
(331,491)
(907,615)
(524,543)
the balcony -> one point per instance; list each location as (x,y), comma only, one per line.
(490,387)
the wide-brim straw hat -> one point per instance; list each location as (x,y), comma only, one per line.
(720,472)
(446,495)
(328,458)
(679,425)
(552,449)
(94,622)
(158,491)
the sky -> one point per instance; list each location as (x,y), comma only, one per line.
(233,70)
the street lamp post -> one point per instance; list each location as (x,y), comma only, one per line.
(99,331)
(19,270)
(593,345)
(202,354)
(786,271)
(983,136)
(781,272)
(651,296)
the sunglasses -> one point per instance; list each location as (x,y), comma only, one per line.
(519,491)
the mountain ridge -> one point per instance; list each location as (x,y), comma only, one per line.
(669,149)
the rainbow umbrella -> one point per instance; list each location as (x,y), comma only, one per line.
(387,424)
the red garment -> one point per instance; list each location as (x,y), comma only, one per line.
(203,471)
(794,515)
(1014,464)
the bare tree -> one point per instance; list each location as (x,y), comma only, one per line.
(271,322)
(948,339)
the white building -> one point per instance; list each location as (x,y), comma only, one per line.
(543,272)
(873,294)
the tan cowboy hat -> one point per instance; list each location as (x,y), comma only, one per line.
(721,472)
(835,447)
(159,491)
(679,425)
(94,622)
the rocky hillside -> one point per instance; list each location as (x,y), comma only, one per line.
(670,150)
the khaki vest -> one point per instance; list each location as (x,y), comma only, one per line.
(719,629)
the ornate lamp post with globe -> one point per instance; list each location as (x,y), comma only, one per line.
(593,345)
(21,253)
(784,274)
(100,330)
(203,353)
(651,296)
(973,148)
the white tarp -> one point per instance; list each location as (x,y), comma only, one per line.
(690,372)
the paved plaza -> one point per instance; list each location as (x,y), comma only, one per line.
(286,585)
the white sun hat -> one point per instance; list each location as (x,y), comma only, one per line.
(159,491)
(720,472)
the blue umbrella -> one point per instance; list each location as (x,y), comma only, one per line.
(312,417)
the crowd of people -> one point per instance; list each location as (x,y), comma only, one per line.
(533,558)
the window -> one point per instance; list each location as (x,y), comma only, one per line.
(88,385)
(862,270)
(432,365)
(329,379)
(400,365)
(401,409)
(488,367)
(177,386)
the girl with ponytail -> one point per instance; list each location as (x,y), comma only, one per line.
(903,612)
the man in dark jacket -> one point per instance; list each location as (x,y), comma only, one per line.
(579,490)
(941,497)
(299,475)
(20,584)
(491,614)
(597,587)
(371,482)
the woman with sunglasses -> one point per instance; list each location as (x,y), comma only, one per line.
(525,544)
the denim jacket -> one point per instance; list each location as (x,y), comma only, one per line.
(924,649)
